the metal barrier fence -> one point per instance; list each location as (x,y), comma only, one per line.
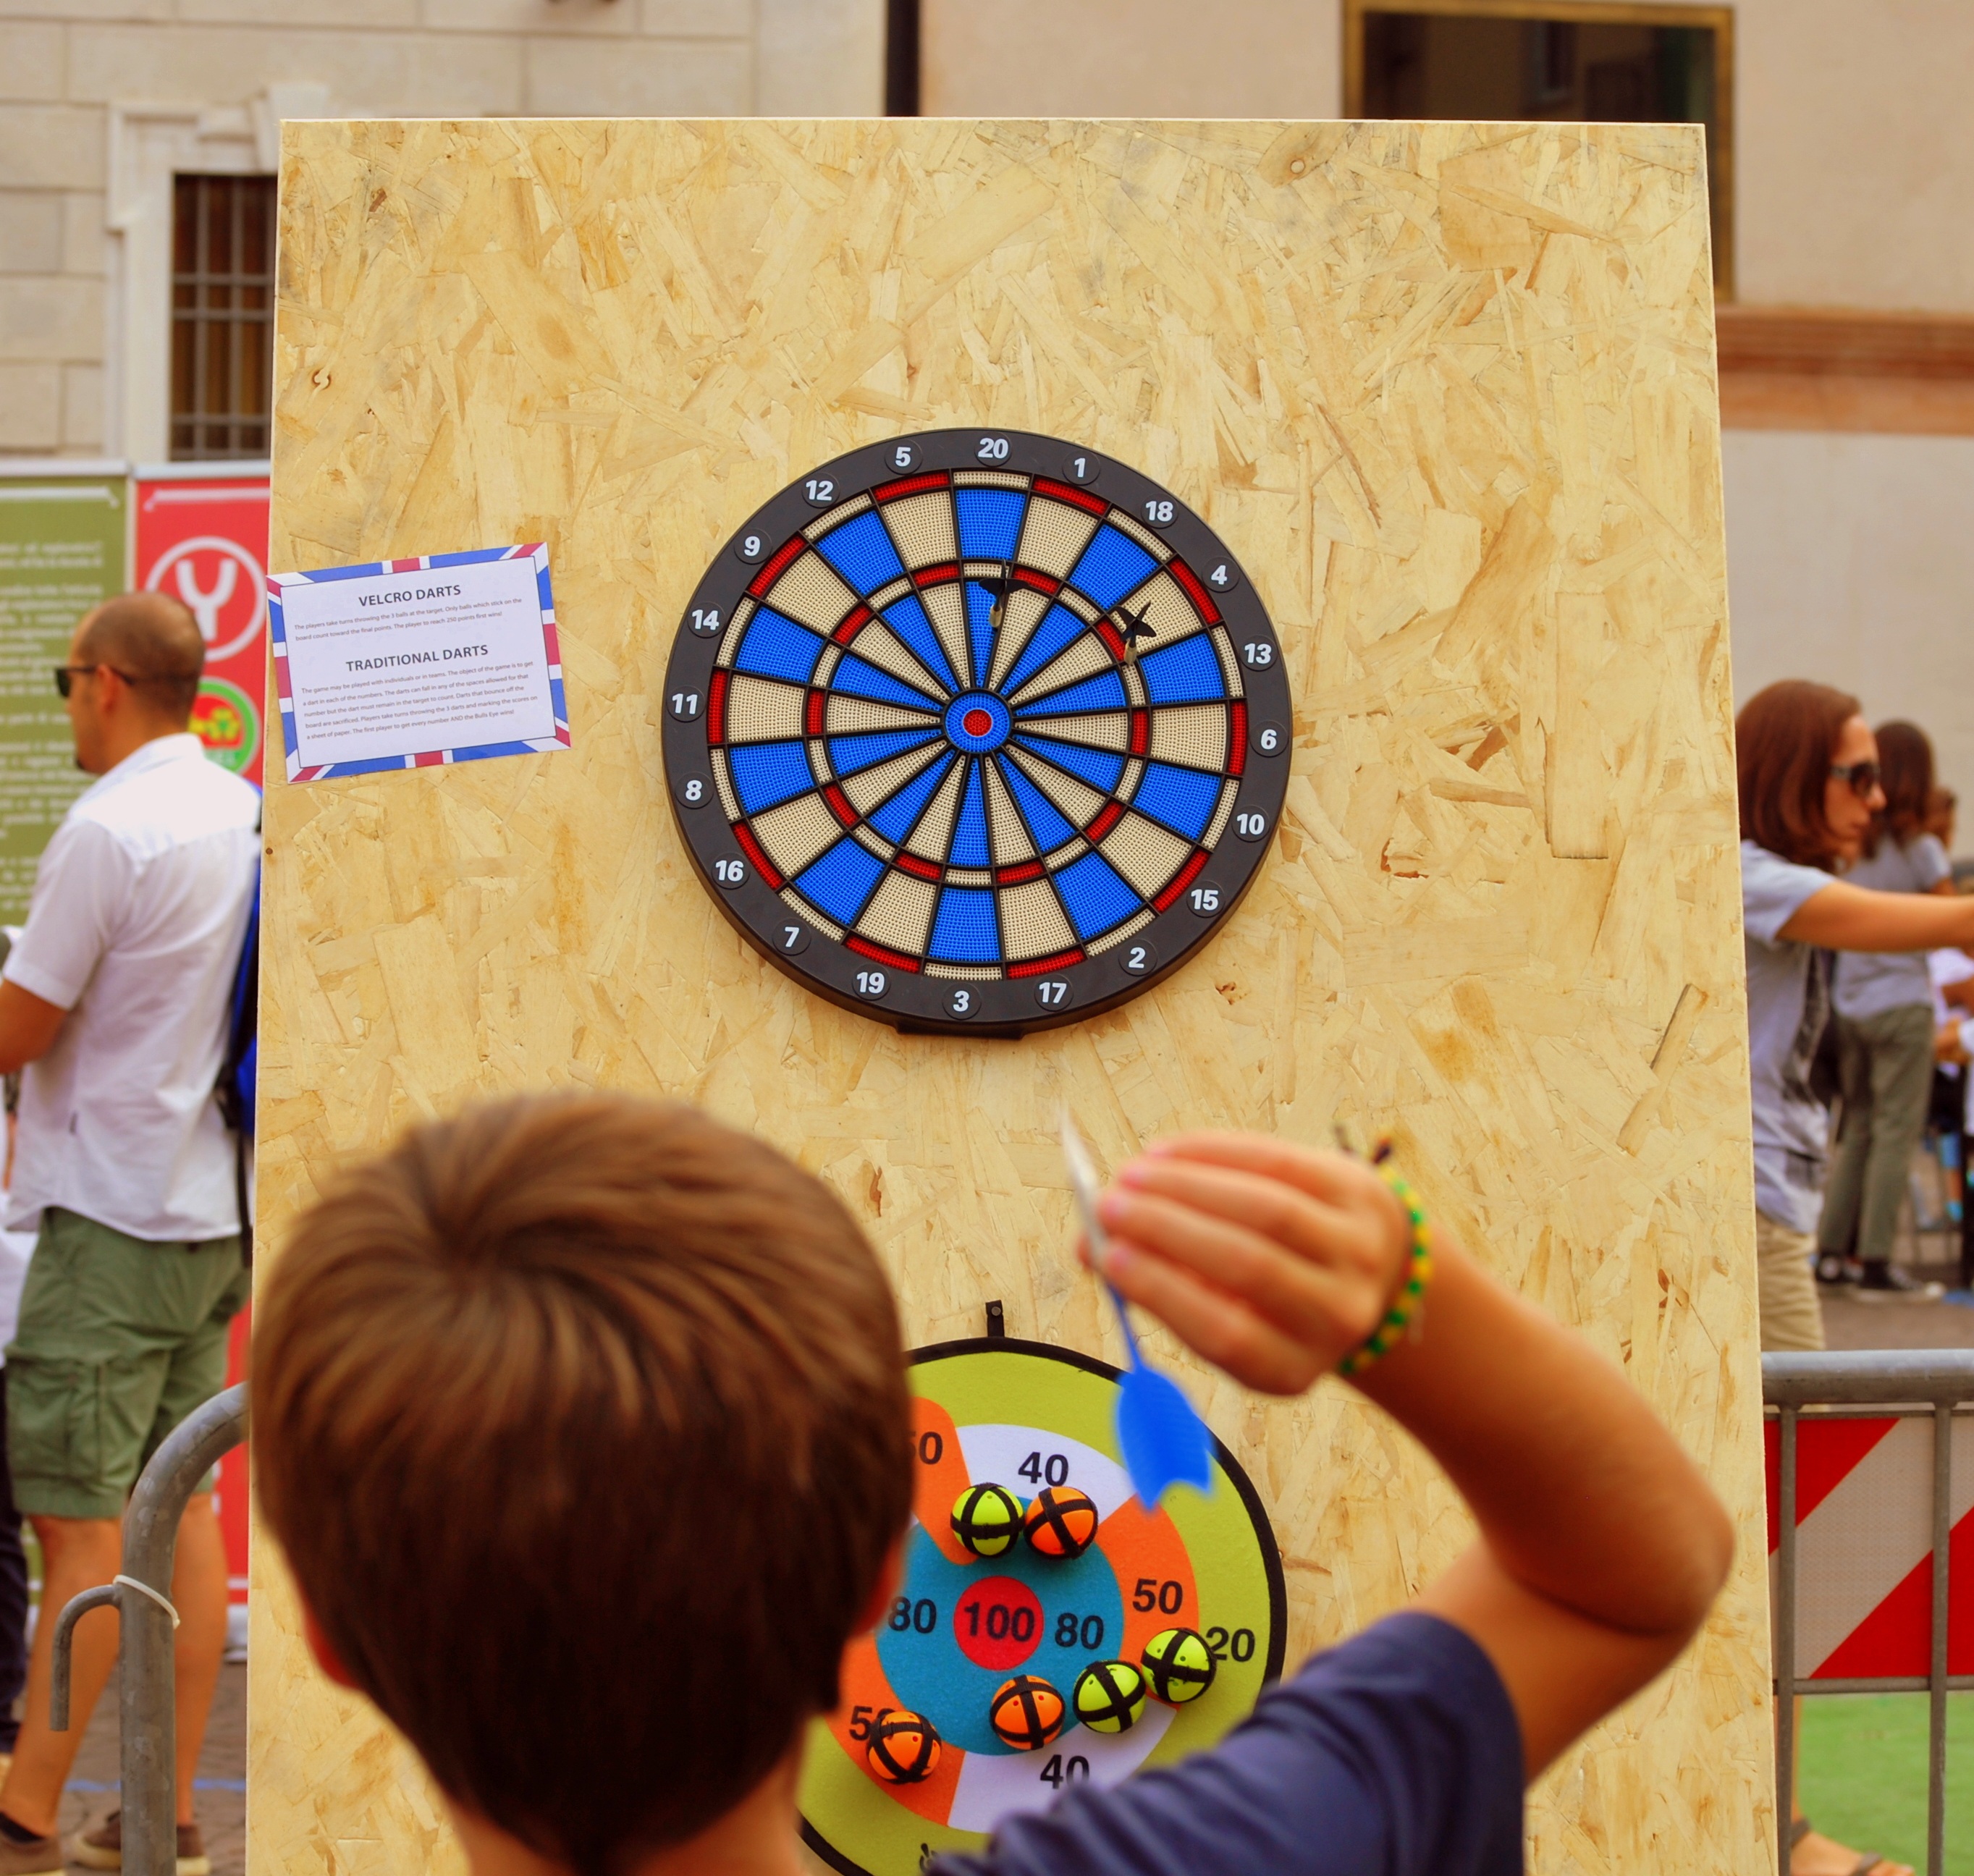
(1823,1397)
(142,1597)
(1885,1386)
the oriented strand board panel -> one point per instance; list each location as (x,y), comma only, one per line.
(1447,390)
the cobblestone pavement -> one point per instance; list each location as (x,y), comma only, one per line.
(221,1796)
(1849,1322)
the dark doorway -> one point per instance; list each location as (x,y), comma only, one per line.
(1480,60)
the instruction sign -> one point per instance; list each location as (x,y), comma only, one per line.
(61,552)
(411,663)
(203,539)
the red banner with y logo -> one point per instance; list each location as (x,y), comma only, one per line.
(202,538)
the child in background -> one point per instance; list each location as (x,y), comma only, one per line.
(582,1421)
(1952,974)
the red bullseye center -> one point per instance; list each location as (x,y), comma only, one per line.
(997,1623)
(977,723)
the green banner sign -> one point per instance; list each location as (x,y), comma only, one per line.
(62,550)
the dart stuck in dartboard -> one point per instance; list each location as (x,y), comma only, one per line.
(977,731)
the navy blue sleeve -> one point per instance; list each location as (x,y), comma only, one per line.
(1397,1754)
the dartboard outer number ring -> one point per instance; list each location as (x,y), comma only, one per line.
(717,827)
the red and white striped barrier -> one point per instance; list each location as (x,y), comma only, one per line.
(1864,1597)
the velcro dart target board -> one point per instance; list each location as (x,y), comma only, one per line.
(1030,1417)
(976,730)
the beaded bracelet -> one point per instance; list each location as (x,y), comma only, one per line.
(1407,1307)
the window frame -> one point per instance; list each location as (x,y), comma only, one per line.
(1718,20)
(199,318)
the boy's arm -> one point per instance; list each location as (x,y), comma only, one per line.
(1601,1545)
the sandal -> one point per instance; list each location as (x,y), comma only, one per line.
(1868,1861)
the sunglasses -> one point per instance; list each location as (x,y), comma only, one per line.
(1862,777)
(66,675)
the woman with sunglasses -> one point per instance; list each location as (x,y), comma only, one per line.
(1884,1032)
(1808,768)
(1809,780)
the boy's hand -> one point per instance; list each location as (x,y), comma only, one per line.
(1274,1261)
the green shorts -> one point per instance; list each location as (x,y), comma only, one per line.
(119,1340)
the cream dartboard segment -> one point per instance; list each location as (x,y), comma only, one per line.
(976,730)
(991,1646)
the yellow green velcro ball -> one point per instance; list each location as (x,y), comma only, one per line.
(1109,1696)
(987,1518)
(1179,1664)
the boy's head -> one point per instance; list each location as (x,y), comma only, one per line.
(582,1421)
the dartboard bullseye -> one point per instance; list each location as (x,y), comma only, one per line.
(976,730)
(1039,1666)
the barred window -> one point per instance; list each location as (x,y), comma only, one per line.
(222,315)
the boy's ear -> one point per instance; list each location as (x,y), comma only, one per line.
(890,1575)
(324,1651)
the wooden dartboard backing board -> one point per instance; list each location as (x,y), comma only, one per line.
(1447,391)
(976,730)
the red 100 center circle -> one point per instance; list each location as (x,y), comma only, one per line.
(977,730)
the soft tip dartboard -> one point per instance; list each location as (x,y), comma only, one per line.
(1025,1415)
(976,730)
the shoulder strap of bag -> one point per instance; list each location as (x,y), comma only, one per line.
(234,1089)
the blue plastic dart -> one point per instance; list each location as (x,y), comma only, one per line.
(1159,1432)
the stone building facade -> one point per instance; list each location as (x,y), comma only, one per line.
(103,102)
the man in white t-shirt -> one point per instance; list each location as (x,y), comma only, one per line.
(113,1005)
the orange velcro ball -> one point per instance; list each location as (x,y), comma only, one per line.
(1061,1521)
(1027,1712)
(904,1748)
